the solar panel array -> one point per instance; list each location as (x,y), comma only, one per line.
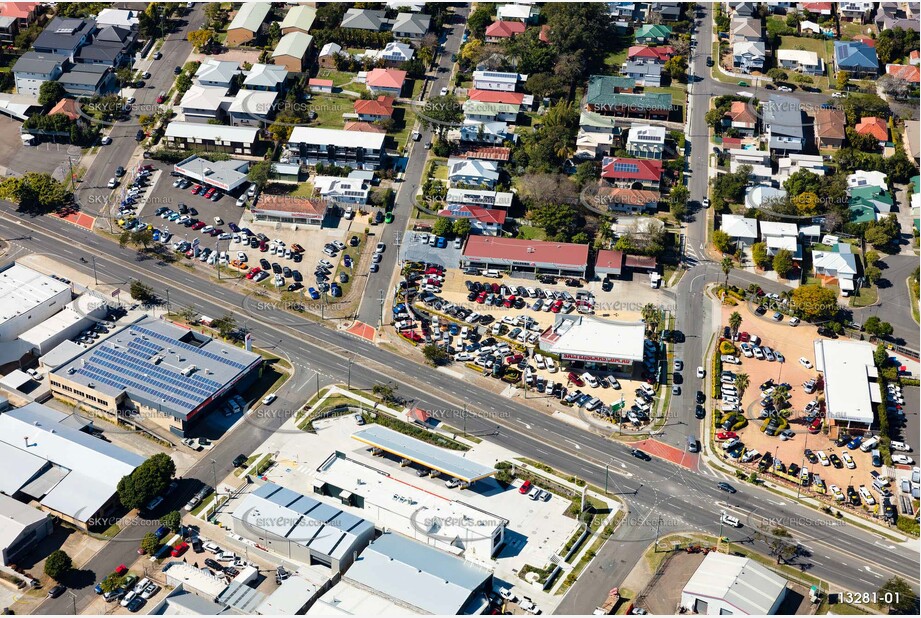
(120,382)
(148,371)
(185,346)
(144,349)
(632,168)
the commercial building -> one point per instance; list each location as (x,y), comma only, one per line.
(609,263)
(289,209)
(851,389)
(725,585)
(578,338)
(21,528)
(342,190)
(75,317)
(71,474)
(191,135)
(301,528)
(525,256)
(227,176)
(27,298)
(200,588)
(171,375)
(357,150)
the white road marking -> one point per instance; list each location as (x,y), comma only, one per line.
(573,443)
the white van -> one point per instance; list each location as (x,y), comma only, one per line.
(869,445)
(648,389)
(590,379)
(492,274)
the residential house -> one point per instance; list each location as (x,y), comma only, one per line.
(890,15)
(213,137)
(602,98)
(910,73)
(204,103)
(482,199)
(386,81)
(14,17)
(801,61)
(643,73)
(299,18)
(748,56)
(316,85)
(111,47)
(912,142)
(810,233)
(66,107)
(759,160)
(764,197)
(342,190)
(783,122)
(632,201)
(744,9)
(472,173)
(857,58)
(875,127)
(793,163)
(501,30)
(669,11)
(627,12)
(742,118)
(248,22)
(650,34)
(646,142)
(404,5)
(632,173)
(816,8)
(659,54)
(393,54)
(485,132)
(743,231)
(490,112)
(363,127)
(838,265)
(742,29)
(868,204)
(217,73)
(292,51)
(483,221)
(33,69)
(327,57)
(598,135)
(88,80)
(829,128)
(411,26)
(523,101)
(914,57)
(496,80)
(358,150)
(266,77)
(252,108)
(365,19)
(372,110)
(121,18)
(777,236)
(64,36)
(527,13)
(862,178)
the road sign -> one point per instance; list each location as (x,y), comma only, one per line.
(618,406)
(117,292)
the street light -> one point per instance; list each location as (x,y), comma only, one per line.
(95,276)
(349,379)
(73,599)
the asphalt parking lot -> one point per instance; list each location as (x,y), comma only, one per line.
(46,157)
(413,250)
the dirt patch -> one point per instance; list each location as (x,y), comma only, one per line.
(663,592)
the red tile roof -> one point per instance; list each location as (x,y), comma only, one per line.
(613,260)
(910,73)
(634,197)
(505,29)
(874,126)
(526,251)
(495,96)
(68,107)
(386,78)
(18,10)
(660,52)
(631,169)
(364,127)
(816,7)
(483,215)
(829,123)
(381,106)
(865,40)
(640,261)
(544,36)
(308,208)
(741,112)
(419,415)
(320,83)
(487,153)
(732,142)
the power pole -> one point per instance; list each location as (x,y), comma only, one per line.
(382,308)
(95,276)
(658,523)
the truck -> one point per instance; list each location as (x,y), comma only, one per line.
(607,608)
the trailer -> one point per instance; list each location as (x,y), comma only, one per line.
(610,604)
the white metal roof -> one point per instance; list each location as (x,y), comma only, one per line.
(222,71)
(257,103)
(740,582)
(22,289)
(848,367)
(15,517)
(218,132)
(738,226)
(265,75)
(592,337)
(336,137)
(778,228)
(250,16)
(204,97)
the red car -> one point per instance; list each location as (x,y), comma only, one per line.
(575,379)
(513,359)
(252,273)
(179,549)
(555,307)
(216,231)
(195,189)
(412,335)
(495,287)
(198,226)
(481,298)
(210,192)
(726,435)
(508,302)
(743,336)
(121,570)
(525,487)
(815,425)
(432,270)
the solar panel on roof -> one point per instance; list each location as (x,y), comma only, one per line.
(632,168)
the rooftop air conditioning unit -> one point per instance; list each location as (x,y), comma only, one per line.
(189,370)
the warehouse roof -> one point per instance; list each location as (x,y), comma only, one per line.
(527,251)
(741,582)
(300,17)
(15,517)
(848,367)
(22,289)
(216,132)
(294,44)
(593,338)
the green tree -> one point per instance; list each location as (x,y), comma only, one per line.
(875,326)
(778,75)
(842,80)
(461,227)
(200,39)
(726,266)
(214,14)
(49,93)
(479,20)
(442,227)
(35,192)
(585,174)
(441,113)
(435,354)
(58,565)
(880,355)
(386,392)
(742,382)
(143,238)
(871,257)
(881,233)
(150,543)
(172,520)
(188,313)
(141,292)
(735,321)
(148,480)
(560,223)
(903,599)
(677,68)
(815,303)
(678,201)
(783,262)
(722,241)
(260,173)
(873,274)
(760,255)
(225,325)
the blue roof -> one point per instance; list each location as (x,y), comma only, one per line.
(855,54)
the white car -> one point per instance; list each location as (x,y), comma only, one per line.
(35,375)
(463,356)
(757,352)
(551,366)
(866,495)
(529,606)
(899,446)
(380,247)
(823,458)
(839,95)
(269,399)
(701,372)
(729,520)
(785,89)
(836,492)
(794,321)
(444,91)
(848,460)
(539,361)
(746,350)
(805,362)
(507,594)
(905,460)
(679,364)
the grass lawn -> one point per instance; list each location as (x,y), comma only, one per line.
(913,292)
(304,189)
(851,29)
(417,88)
(796,42)
(441,171)
(329,109)
(867,297)
(676,90)
(616,59)
(403,127)
(340,78)
(531,233)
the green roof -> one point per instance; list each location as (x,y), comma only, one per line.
(861,213)
(594,119)
(653,31)
(865,203)
(916,183)
(601,94)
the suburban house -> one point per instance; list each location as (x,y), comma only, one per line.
(33,69)
(646,141)
(632,173)
(111,46)
(88,80)
(122,18)
(483,199)
(204,103)
(490,112)
(501,30)
(597,135)
(862,178)
(292,51)
(633,201)
(748,56)
(66,107)
(875,127)
(759,160)
(342,190)
(315,84)
(472,173)
(839,264)
(669,11)
(221,138)
(910,73)
(523,101)
(217,73)
(795,162)
(817,8)
(252,108)
(64,36)
(269,77)
(643,73)
(14,17)
(744,9)
(485,132)
(527,13)
(890,15)
(354,149)
(810,233)
(801,61)
(645,105)
(247,23)
(411,26)
(386,81)
(829,128)
(363,127)
(743,29)
(783,122)
(741,117)
(299,18)
(364,19)
(496,80)
(393,54)
(743,231)
(777,236)
(483,221)
(764,196)
(372,110)
(327,57)
(650,34)
(868,204)
(659,54)
(857,58)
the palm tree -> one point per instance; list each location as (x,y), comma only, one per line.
(779,396)
(735,321)
(741,383)
(726,265)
